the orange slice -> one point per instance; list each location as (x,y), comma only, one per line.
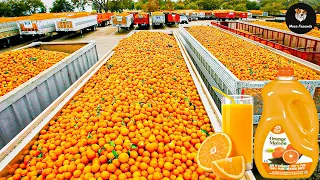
(229,168)
(215,147)
(290,156)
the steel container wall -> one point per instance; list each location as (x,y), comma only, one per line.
(8,29)
(19,107)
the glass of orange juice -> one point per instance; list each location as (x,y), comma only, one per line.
(237,122)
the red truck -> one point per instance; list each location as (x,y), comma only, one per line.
(241,15)
(141,19)
(132,12)
(223,14)
(172,18)
(104,18)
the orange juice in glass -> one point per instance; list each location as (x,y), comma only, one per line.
(237,122)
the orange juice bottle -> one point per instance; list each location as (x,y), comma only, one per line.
(285,143)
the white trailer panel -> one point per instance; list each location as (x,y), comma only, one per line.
(36,27)
(158,19)
(201,15)
(9,29)
(122,21)
(76,24)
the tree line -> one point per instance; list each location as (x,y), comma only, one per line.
(12,8)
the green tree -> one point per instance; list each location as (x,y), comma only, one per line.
(226,5)
(61,6)
(138,5)
(34,6)
(179,5)
(169,5)
(100,5)
(21,7)
(114,6)
(289,3)
(79,4)
(5,10)
(192,5)
(127,4)
(252,5)
(231,4)
(241,7)
(18,7)
(272,7)
(315,4)
(208,4)
(151,6)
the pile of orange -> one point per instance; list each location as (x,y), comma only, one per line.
(44,16)
(244,59)
(138,117)
(77,15)
(283,26)
(12,19)
(17,67)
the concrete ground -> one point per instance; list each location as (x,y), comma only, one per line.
(106,37)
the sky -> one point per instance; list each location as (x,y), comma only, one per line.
(47,3)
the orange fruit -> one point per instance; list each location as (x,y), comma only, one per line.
(215,147)
(105,175)
(229,168)
(290,156)
(168,166)
(278,152)
(77,173)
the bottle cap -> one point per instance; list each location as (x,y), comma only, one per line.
(285,71)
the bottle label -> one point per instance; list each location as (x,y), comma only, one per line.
(280,158)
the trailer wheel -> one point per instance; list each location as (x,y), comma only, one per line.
(8,41)
(81,33)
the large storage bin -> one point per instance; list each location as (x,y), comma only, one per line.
(216,74)
(20,106)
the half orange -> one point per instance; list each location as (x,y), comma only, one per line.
(290,156)
(229,168)
(215,147)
